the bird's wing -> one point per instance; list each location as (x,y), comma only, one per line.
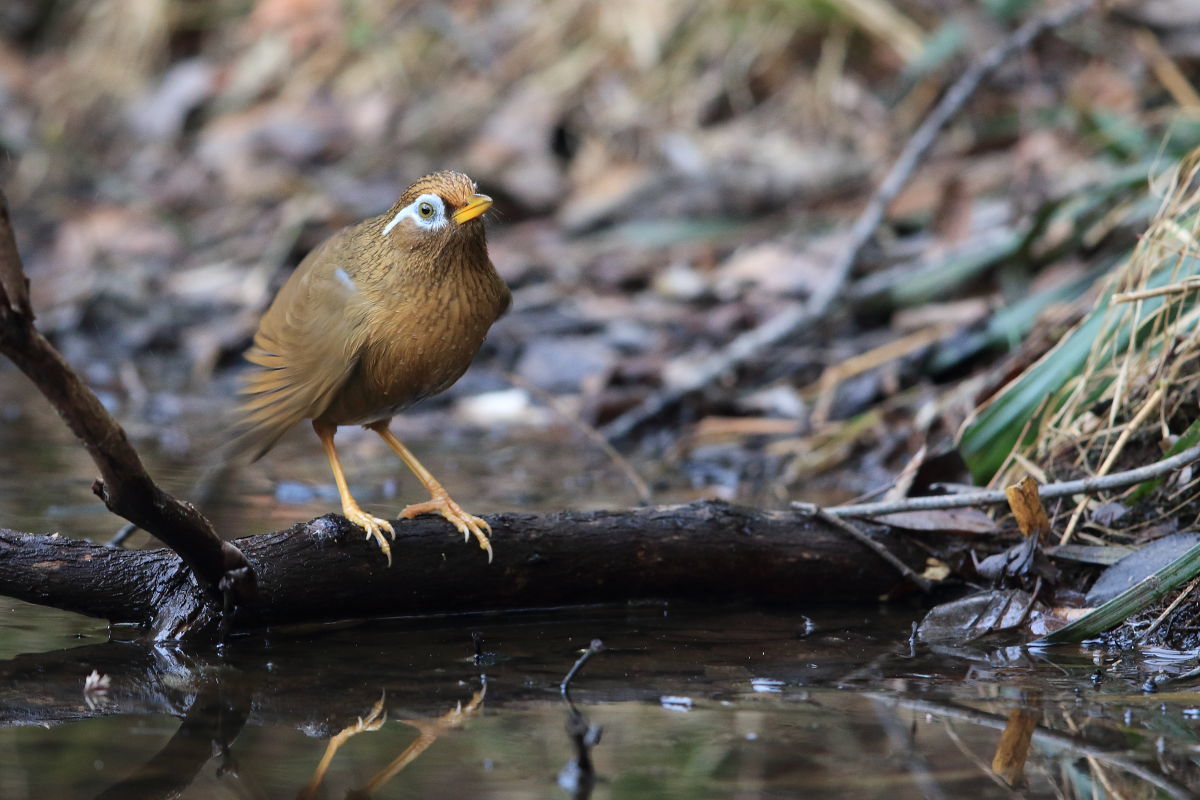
(306,347)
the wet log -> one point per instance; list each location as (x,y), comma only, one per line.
(325,569)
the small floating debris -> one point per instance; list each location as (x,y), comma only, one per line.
(672,703)
(767,685)
(95,690)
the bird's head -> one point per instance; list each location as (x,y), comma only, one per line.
(435,209)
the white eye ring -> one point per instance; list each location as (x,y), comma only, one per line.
(427,211)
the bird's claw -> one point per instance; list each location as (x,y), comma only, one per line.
(374,528)
(467,524)
(374,720)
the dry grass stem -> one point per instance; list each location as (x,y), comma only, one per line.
(1166,70)
(1166,612)
(833,376)
(1141,362)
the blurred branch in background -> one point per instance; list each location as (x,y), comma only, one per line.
(791,323)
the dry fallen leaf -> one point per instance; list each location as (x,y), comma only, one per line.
(1026,505)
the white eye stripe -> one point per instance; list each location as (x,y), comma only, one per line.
(413,211)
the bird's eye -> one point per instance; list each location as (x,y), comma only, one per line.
(426,210)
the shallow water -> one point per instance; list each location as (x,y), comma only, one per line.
(691,701)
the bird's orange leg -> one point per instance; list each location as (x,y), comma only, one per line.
(374,526)
(428,731)
(440,503)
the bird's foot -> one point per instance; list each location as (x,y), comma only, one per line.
(373,722)
(467,524)
(374,527)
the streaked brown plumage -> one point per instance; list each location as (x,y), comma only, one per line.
(380,315)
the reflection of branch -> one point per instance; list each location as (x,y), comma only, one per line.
(984,767)
(124,485)
(213,721)
(1044,736)
(903,747)
(278,683)
(794,321)
(578,775)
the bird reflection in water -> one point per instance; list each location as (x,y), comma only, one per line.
(428,731)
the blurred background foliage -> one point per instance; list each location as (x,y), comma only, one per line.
(667,175)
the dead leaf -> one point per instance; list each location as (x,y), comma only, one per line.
(978,615)
(936,570)
(1026,505)
(1107,513)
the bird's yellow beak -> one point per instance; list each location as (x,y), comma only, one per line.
(476,205)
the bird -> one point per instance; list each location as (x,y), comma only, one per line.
(377,317)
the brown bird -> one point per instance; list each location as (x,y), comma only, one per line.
(379,316)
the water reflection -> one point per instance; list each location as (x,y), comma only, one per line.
(405,708)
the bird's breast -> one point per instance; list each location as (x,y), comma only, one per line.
(416,347)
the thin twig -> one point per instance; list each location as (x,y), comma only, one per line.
(1186,285)
(122,536)
(592,649)
(793,321)
(993,497)
(1118,447)
(924,583)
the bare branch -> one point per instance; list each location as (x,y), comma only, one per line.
(14,286)
(124,485)
(1051,491)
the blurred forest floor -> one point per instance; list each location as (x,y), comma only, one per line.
(667,174)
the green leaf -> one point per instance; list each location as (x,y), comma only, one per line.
(987,442)
(1043,388)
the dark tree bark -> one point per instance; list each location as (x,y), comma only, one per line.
(325,569)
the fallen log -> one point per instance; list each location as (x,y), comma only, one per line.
(325,569)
